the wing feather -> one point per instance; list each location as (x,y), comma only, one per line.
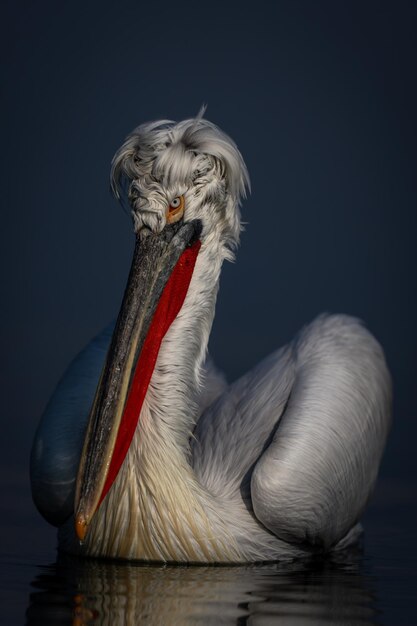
(59,438)
(315,478)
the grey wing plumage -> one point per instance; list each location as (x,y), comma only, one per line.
(302,435)
(315,478)
(232,433)
(59,438)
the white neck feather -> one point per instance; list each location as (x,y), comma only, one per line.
(174,388)
(156,510)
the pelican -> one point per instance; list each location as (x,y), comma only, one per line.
(145,452)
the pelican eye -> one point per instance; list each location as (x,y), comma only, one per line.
(175,209)
(175,203)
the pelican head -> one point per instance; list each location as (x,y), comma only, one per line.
(184,183)
(182,171)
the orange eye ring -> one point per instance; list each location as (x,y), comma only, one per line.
(175,209)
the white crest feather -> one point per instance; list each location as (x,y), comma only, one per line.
(194,155)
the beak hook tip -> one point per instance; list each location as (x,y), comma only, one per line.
(81,526)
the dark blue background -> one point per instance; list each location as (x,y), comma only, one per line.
(321,99)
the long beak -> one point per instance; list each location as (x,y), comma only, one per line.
(158,282)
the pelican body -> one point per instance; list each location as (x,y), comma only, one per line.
(146,452)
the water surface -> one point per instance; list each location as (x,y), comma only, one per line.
(373,584)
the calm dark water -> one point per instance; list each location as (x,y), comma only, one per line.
(374,584)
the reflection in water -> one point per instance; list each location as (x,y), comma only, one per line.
(81,592)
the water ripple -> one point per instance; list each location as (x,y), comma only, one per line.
(113,594)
